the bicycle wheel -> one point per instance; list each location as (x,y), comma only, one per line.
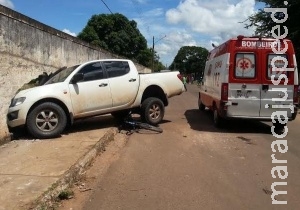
(149,127)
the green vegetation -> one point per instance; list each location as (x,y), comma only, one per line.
(116,34)
(190,59)
(263,22)
(65,195)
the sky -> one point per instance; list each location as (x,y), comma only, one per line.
(172,23)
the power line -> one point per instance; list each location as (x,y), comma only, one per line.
(106,6)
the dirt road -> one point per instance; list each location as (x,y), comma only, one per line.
(192,165)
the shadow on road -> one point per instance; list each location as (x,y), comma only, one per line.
(94,123)
(203,121)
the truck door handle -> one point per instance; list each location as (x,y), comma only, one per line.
(265,87)
(103,85)
(132,80)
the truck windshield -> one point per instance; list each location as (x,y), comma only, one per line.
(62,75)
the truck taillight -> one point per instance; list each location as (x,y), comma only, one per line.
(295,94)
(224,92)
(179,76)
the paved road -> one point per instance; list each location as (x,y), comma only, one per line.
(193,165)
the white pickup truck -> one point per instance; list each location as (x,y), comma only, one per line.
(93,88)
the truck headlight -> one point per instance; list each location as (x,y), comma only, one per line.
(17,101)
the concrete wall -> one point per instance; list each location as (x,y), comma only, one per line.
(28,48)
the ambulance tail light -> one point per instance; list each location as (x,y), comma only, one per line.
(295,94)
(224,91)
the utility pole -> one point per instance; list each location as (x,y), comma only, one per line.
(153,53)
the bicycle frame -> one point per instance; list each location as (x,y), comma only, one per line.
(135,125)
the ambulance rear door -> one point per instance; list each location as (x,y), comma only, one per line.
(244,87)
(273,96)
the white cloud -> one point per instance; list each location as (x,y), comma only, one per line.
(195,23)
(140,1)
(221,18)
(69,32)
(154,13)
(7,3)
(175,39)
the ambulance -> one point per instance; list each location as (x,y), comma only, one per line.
(250,78)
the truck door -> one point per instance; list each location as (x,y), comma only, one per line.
(268,90)
(92,94)
(244,86)
(123,82)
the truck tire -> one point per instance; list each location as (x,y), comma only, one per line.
(218,120)
(47,120)
(152,110)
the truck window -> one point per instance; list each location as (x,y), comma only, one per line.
(279,62)
(92,71)
(116,68)
(245,65)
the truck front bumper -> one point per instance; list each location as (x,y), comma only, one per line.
(15,117)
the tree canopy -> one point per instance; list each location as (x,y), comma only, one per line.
(263,22)
(190,59)
(116,34)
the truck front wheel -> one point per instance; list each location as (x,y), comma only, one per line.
(46,120)
(153,110)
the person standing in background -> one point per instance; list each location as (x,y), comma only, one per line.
(184,81)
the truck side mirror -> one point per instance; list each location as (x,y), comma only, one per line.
(76,78)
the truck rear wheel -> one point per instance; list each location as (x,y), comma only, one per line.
(46,120)
(153,110)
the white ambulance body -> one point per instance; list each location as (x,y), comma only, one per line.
(237,81)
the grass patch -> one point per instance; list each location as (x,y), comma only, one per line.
(65,195)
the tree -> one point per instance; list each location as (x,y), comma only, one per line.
(263,22)
(116,34)
(157,64)
(190,59)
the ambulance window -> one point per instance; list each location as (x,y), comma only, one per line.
(245,65)
(279,62)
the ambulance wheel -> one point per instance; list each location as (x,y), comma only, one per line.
(218,120)
(279,128)
(201,105)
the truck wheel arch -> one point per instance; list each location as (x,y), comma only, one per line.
(69,115)
(155,92)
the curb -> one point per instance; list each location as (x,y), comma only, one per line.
(49,198)
(5,139)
